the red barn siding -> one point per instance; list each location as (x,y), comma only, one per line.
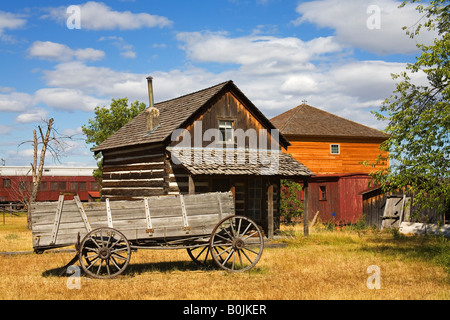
(351,205)
(343,203)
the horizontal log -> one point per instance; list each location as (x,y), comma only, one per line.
(134,166)
(131,192)
(136,174)
(126,183)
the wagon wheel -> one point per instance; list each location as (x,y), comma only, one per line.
(104,253)
(236,244)
(202,255)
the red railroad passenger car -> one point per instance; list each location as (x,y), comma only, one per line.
(15,183)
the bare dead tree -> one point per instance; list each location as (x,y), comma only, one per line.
(52,142)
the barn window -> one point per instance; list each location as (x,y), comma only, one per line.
(334,149)
(226,130)
(322,193)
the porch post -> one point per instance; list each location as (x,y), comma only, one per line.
(191,185)
(305,208)
(270,210)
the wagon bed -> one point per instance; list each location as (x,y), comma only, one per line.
(104,233)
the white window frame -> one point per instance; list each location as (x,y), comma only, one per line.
(227,125)
(338,146)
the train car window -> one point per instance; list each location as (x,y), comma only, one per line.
(94,186)
(62,186)
(7,183)
(23,185)
(73,186)
(82,186)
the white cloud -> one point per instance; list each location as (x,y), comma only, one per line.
(33,115)
(60,52)
(67,99)
(10,21)
(126,50)
(258,54)
(15,101)
(98,16)
(349,20)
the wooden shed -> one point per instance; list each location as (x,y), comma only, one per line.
(211,140)
(333,148)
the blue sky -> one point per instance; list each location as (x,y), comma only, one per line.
(336,54)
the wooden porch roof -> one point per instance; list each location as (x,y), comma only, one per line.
(239,162)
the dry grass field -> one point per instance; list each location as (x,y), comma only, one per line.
(325,265)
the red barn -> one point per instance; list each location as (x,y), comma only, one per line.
(15,183)
(333,148)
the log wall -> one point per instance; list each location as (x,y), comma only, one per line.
(134,173)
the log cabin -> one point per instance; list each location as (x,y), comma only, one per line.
(211,140)
(334,148)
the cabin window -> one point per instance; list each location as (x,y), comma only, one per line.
(334,148)
(322,193)
(226,130)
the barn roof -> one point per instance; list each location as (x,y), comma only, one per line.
(239,162)
(307,121)
(176,113)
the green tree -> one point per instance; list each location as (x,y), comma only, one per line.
(418,117)
(107,121)
(290,206)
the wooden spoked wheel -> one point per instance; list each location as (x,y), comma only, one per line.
(200,255)
(104,253)
(236,244)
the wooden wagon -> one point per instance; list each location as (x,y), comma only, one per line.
(106,233)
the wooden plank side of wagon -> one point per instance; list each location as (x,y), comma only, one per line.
(45,233)
(165,213)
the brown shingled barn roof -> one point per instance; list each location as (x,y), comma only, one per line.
(174,114)
(305,120)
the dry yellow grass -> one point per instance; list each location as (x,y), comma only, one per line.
(326,265)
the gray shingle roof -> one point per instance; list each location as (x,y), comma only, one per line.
(173,114)
(238,162)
